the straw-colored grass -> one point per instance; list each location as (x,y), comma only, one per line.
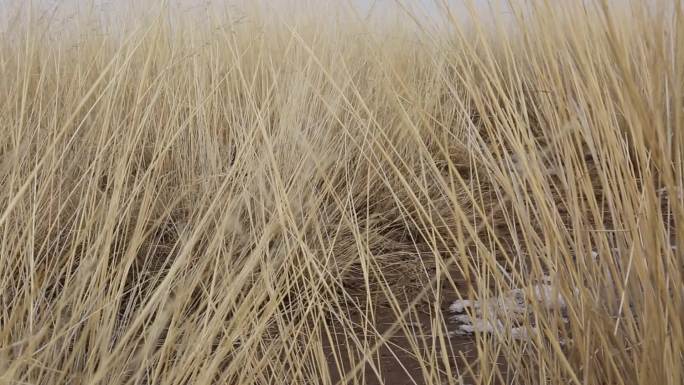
(264,199)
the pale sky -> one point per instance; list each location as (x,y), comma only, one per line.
(427,7)
(367,9)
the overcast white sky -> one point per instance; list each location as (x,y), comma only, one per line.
(108,9)
(375,8)
(364,6)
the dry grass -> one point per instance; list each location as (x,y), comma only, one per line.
(219,202)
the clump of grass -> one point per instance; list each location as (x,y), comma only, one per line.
(256,199)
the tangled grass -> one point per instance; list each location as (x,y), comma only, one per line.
(274,200)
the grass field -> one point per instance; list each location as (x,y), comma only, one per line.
(255,197)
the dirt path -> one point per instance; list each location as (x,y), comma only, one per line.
(398,361)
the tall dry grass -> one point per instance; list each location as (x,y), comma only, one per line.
(189,202)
